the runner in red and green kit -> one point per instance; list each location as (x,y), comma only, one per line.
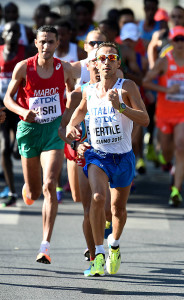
(40,82)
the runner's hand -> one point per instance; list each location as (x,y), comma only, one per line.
(174,89)
(113,97)
(81,148)
(72,133)
(30,115)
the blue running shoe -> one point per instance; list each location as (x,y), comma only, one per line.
(4,193)
(87,272)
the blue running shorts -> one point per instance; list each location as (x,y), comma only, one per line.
(120,168)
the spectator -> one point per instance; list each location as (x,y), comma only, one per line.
(11,13)
(84,11)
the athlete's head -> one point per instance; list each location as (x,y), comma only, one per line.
(46,41)
(91,66)
(110,28)
(94,39)
(11,12)
(176,35)
(64,30)
(177,16)
(150,8)
(11,33)
(108,59)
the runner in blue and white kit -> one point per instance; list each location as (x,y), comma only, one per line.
(113,105)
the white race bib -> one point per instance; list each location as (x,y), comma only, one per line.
(48,108)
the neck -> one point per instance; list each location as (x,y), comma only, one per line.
(107,83)
(45,63)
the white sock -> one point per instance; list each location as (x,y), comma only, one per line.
(112,241)
(45,244)
(99,249)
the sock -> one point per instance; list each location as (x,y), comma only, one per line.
(112,241)
(99,249)
(45,244)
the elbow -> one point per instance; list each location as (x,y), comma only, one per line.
(146,121)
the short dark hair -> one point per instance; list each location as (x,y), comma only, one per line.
(178,7)
(47,28)
(63,23)
(111,24)
(126,11)
(89,5)
(109,44)
(154,1)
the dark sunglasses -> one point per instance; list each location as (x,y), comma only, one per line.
(93,43)
(111,57)
(178,39)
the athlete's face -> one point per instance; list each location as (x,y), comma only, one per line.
(64,35)
(93,37)
(46,44)
(177,17)
(94,72)
(107,68)
(178,44)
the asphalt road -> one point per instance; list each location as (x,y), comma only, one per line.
(152,247)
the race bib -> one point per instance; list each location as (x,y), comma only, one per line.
(48,108)
(179,97)
(105,125)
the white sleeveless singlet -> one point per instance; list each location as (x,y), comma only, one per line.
(72,54)
(110,131)
(85,75)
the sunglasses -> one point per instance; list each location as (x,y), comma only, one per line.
(110,57)
(178,39)
(93,43)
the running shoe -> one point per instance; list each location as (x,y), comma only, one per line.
(4,193)
(98,265)
(114,259)
(166,166)
(140,166)
(175,199)
(87,272)
(43,255)
(87,255)
(27,200)
(59,194)
(108,229)
(150,153)
(11,200)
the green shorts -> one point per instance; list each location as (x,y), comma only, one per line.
(34,138)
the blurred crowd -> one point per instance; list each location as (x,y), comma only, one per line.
(143,45)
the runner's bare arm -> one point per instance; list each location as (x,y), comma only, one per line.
(72,102)
(78,116)
(135,110)
(159,68)
(18,76)
(68,76)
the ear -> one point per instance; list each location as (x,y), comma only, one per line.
(36,44)
(85,47)
(119,63)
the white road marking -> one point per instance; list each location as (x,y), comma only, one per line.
(11,217)
(147,218)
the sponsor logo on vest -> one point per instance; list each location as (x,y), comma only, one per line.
(58,66)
